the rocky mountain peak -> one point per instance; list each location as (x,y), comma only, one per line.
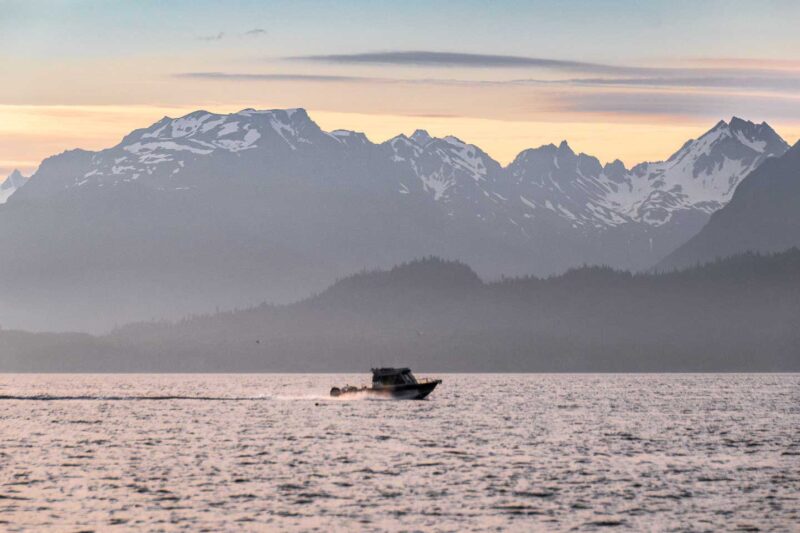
(11,184)
(615,170)
(15,180)
(421,137)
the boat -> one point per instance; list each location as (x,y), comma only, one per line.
(397,383)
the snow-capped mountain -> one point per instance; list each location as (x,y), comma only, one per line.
(158,155)
(702,175)
(556,182)
(762,216)
(14,181)
(212,209)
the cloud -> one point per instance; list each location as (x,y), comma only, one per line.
(269,77)
(789,84)
(456,59)
(247,76)
(769,83)
(729,74)
(255,32)
(707,105)
(746,63)
(770,98)
(216,37)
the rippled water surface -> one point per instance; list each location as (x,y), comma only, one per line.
(504,452)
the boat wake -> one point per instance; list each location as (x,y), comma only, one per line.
(356,396)
(60,398)
(132,398)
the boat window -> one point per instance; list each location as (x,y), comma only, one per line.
(390,380)
(397,378)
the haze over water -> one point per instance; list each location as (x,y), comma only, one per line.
(485,452)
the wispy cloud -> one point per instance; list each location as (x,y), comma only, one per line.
(456,59)
(777,83)
(636,98)
(233,76)
(255,32)
(650,103)
(215,37)
(282,76)
(746,63)
(727,74)
(769,83)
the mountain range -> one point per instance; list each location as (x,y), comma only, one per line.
(227,210)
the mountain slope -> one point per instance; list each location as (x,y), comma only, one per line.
(439,316)
(214,210)
(762,216)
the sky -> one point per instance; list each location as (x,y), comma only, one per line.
(617,79)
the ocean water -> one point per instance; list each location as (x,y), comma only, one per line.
(484,452)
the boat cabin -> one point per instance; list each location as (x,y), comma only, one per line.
(392,377)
